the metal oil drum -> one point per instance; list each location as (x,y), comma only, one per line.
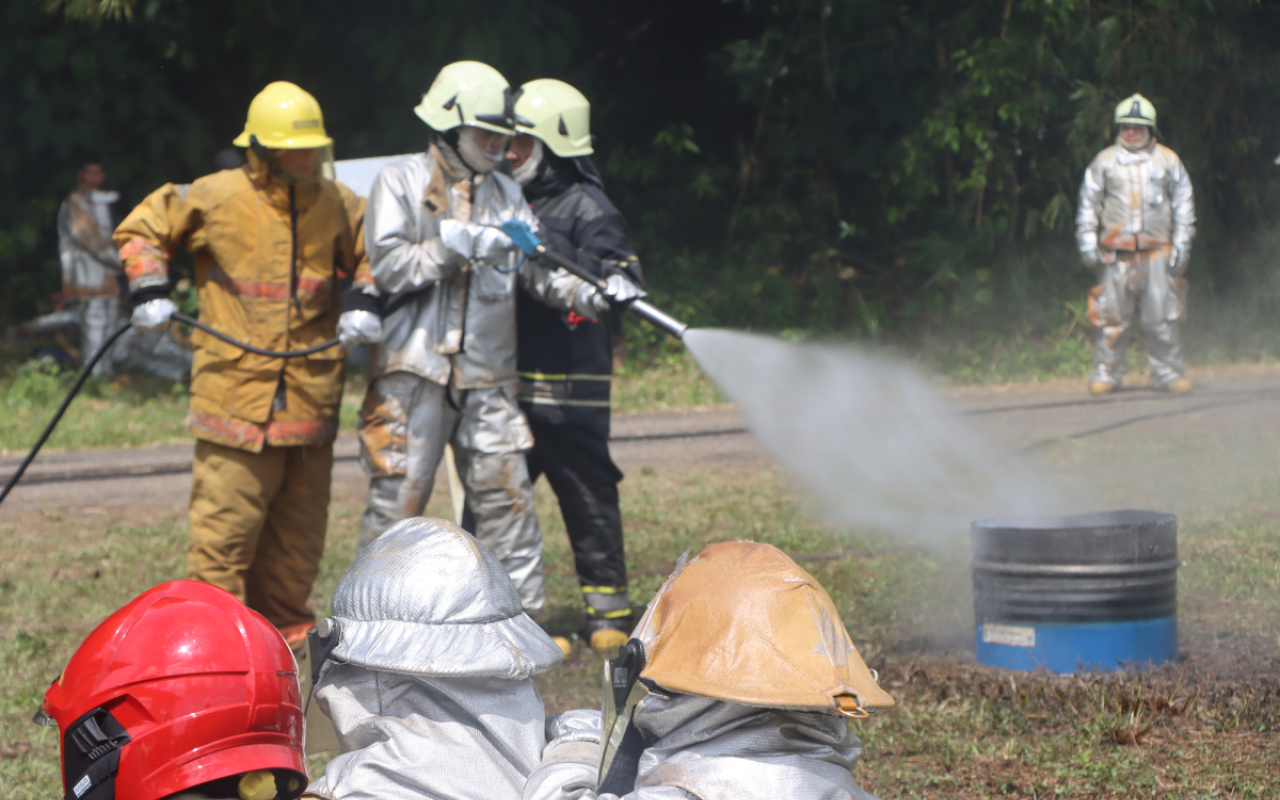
(1083,592)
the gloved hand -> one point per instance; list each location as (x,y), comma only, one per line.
(619,293)
(358,327)
(471,241)
(1178,261)
(521,235)
(153,314)
(570,761)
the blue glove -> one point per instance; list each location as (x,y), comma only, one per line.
(519,233)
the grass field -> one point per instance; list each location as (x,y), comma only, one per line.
(136,411)
(1204,728)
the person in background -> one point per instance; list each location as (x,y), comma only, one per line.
(91,270)
(1134,228)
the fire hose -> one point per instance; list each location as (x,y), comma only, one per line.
(646,311)
(102,350)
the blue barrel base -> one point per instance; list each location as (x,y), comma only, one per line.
(1068,647)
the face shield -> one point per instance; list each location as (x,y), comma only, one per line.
(300,167)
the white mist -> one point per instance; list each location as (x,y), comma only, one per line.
(868,438)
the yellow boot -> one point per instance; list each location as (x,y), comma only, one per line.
(564,644)
(607,640)
(1180,386)
(1098,388)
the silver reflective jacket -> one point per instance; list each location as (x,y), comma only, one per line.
(90,261)
(428,688)
(1136,201)
(452,318)
(712,750)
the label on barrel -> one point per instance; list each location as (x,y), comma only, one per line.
(1012,635)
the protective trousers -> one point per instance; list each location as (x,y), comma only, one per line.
(97,317)
(404,425)
(581,472)
(1141,280)
(258,524)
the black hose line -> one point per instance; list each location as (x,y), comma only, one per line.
(646,311)
(102,350)
(62,409)
(195,323)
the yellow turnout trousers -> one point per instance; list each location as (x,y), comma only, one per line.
(258,523)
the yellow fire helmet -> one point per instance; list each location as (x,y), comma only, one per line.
(1136,110)
(284,117)
(743,622)
(556,113)
(468,93)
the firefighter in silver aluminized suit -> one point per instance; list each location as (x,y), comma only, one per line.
(1135,224)
(425,672)
(739,685)
(91,268)
(445,369)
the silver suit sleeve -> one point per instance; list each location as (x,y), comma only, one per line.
(1089,214)
(398,262)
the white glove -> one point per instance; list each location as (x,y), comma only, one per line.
(358,327)
(472,241)
(619,292)
(153,314)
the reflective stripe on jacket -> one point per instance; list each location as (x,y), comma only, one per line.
(267,260)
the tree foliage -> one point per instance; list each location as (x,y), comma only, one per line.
(846,165)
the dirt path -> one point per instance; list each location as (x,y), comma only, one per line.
(1193,453)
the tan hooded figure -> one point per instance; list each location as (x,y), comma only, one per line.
(747,681)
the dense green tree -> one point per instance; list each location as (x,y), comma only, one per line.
(857,165)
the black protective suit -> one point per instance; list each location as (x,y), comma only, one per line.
(566,364)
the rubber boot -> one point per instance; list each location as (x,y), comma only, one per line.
(605,636)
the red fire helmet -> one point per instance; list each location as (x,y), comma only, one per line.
(183,686)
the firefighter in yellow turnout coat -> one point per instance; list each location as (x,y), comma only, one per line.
(270,242)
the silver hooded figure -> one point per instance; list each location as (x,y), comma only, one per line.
(428,687)
(1134,228)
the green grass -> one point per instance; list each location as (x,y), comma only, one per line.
(1205,728)
(136,411)
(129,411)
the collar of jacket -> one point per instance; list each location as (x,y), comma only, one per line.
(554,180)
(437,194)
(276,191)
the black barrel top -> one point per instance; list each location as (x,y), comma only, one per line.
(1109,537)
(1113,566)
